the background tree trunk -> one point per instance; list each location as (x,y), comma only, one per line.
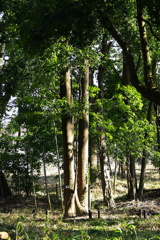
(93,153)
(144,158)
(4,188)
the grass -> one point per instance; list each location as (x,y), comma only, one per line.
(120,223)
(115,228)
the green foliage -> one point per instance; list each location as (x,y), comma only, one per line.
(102,229)
(41,38)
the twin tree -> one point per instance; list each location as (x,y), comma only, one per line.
(86,26)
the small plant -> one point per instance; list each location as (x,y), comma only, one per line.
(20,231)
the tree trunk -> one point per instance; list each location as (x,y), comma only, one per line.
(4,188)
(45,180)
(59,168)
(144,159)
(83,141)
(68,138)
(133,179)
(105,174)
(72,206)
(147,68)
(93,159)
(105,171)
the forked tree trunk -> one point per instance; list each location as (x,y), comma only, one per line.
(83,141)
(72,206)
(105,170)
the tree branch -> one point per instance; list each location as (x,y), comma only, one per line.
(150,92)
(151,29)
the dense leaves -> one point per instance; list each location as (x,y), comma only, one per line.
(41,38)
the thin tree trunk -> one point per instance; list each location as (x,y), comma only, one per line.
(34,190)
(109,163)
(68,138)
(45,179)
(133,181)
(157,111)
(144,159)
(1,185)
(105,171)
(59,170)
(147,68)
(105,175)
(83,140)
(131,175)
(115,172)
(93,158)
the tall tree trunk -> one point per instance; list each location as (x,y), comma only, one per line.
(83,141)
(72,206)
(105,171)
(68,138)
(147,68)
(148,79)
(93,158)
(144,159)
(157,111)
(59,168)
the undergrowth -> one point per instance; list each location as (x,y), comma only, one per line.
(56,228)
(120,223)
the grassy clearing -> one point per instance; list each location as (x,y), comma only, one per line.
(121,223)
(111,227)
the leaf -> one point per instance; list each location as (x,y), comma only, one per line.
(19,227)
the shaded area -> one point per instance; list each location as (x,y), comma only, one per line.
(4,188)
(19,204)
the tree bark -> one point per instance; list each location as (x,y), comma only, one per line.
(72,206)
(148,90)
(68,138)
(133,179)
(45,180)
(105,170)
(83,140)
(147,69)
(93,158)
(4,188)
(144,159)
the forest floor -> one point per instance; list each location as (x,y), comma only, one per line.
(122,222)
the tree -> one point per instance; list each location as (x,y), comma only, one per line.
(83,139)
(105,170)
(71,201)
(42,38)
